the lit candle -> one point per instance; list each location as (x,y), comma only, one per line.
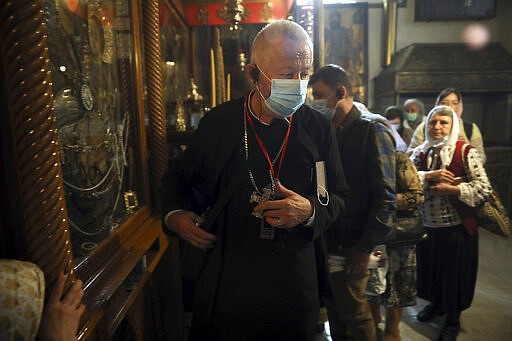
(212,65)
(228,87)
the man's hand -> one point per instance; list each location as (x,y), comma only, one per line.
(61,315)
(356,260)
(288,212)
(187,225)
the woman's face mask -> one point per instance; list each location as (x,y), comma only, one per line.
(321,105)
(286,95)
(439,142)
(411,116)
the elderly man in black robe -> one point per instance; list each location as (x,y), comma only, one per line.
(265,253)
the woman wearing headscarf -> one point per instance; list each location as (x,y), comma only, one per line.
(454,181)
(414,113)
(396,117)
(469,132)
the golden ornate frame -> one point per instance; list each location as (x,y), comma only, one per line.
(36,161)
(26,79)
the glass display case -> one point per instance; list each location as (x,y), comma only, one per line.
(174,42)
(82,96)
(183,104)
(90,45)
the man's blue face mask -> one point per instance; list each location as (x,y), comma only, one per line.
(286,95)
(321,105)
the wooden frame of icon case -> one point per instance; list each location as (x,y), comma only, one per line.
(73,74)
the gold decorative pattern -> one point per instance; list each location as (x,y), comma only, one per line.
(266,12)
(202,16)
(220,80)
(224,14)
(156,103)
(36,155)
(130,201)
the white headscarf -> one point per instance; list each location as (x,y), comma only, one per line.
(448,146)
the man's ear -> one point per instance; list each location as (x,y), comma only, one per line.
(340,91)
(253,72)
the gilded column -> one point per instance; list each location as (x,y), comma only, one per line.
(390,10)
(155,97)
(34,146)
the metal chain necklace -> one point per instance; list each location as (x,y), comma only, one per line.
(246,146)
(268,192)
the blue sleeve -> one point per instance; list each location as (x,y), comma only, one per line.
(381,177)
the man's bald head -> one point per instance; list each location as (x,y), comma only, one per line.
(272,35)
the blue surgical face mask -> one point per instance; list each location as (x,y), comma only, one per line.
(395,126)
(411,117)
(286,96)
(321,105)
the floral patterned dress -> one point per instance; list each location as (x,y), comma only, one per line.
(400,282)
(401,277)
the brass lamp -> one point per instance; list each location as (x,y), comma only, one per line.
(193,106)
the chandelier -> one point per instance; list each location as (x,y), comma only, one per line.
(233,13)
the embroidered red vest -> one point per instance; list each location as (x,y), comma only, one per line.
(456,166)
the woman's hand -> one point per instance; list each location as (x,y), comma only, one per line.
(382,259)
(62,312)
(440,176)
(444,189)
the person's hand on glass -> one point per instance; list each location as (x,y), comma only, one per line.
(61,314)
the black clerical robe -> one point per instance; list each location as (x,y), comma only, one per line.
(254,288)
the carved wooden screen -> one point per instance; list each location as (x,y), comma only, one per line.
(73,79)
(91,52)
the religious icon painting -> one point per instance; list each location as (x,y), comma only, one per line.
(346,43)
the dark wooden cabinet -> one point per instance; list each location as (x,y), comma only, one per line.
(83,149)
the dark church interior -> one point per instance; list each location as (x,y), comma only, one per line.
(100,97)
